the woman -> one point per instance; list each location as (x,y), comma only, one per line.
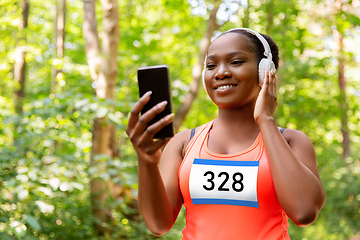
(239,176)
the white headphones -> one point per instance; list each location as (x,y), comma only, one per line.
(265,64)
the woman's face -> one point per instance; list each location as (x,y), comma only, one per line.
(231,72)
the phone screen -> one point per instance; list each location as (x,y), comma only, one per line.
(156,79)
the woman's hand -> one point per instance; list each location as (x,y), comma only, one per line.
(142,138)
(266,102)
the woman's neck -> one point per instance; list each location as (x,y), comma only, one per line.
(233,131)
(241,118)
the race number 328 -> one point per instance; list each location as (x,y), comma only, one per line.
(224,182)
(237,184)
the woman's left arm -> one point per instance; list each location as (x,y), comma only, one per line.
(294,172)
(292,161)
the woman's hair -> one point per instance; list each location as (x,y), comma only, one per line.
(256,46)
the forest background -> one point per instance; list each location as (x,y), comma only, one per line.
(68,81)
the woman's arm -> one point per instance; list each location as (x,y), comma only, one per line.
(159,199)
(294,172)
(292,161)
(159,196)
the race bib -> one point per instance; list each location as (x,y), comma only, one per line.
(224,182)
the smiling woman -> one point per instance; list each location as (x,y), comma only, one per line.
(238,173)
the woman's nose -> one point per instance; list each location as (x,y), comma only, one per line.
(222,73)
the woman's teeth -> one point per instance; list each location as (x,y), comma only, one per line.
(225,87)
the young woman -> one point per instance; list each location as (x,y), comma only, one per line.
(240,176)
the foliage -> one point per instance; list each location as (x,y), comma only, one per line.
(45,152)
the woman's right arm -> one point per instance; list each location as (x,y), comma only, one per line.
(159,196)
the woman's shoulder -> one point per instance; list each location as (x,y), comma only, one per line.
(182,136)
(289,132)
(182,139)
(179,141)
(294,136)
(185,136)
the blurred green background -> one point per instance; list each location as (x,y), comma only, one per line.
(50,105)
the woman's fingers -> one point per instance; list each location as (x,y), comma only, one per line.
(146,141)
(270,82)
(141,136)
(271,86)
(156,127)
(137,127)
(145,118)
(265,86)
(272,76)
(135,111)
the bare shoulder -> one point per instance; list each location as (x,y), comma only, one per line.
(296,137)
(178,142)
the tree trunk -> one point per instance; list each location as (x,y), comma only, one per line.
(92,45)
(197,69)
(343,104)
(110,42)
(103,72)
(92,49)
(59,38)
(20,63)
(342,84)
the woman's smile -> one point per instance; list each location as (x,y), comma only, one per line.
(225,87)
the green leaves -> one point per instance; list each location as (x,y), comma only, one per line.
(45,152)
(33,222)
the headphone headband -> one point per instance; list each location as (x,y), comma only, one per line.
(267,52)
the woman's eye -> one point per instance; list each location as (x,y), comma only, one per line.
(236,62)
(210,66)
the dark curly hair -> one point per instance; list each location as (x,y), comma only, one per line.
(256,46)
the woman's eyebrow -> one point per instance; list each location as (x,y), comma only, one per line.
(236,53)
(229,54)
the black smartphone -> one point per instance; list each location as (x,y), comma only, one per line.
(156,79)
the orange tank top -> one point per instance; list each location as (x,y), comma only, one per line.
(229,196)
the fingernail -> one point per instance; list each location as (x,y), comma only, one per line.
(162,104)
(170,116)
(147,94)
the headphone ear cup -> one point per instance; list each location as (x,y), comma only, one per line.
(265,65)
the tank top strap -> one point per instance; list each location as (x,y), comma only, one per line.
(201,131)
